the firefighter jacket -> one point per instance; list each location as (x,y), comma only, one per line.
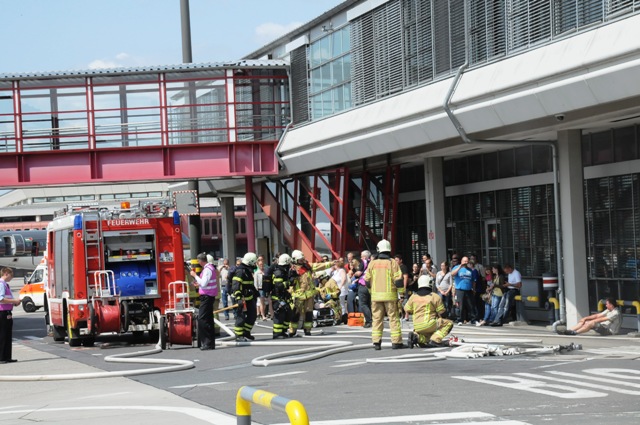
(330,287)
(242,283)
(381,275)
(425,309)
(277,278)
(303,287)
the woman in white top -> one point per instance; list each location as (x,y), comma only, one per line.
(339,274)
(444,285)
(257,281)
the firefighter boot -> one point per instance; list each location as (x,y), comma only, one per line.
(411,339)
(307,332)
(377,346)
(248,336)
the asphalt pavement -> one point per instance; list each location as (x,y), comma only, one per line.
(355,386)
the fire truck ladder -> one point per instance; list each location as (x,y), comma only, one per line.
(92,231)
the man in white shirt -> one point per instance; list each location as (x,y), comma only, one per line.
(607,322)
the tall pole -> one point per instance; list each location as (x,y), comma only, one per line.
(195,227)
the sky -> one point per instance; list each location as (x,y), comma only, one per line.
(58,35)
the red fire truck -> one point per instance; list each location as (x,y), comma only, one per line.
(110,271)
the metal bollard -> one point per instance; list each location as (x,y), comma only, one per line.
(247,395)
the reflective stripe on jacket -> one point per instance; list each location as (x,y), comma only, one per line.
(382,274)
(425,310)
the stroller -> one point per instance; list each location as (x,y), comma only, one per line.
(322,316)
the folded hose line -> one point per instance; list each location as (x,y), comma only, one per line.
(173,365)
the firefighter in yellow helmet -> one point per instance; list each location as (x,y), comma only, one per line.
(330,294)
(381,276)
(429,328)
(303,290)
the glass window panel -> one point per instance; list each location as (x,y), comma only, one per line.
(336,44)
(325,49)
(542,158)
(601,148)
(338,75)
(506,164)
(314,54)
(624,142)
(475,169)
(524,166)
(347,96)
(316,80)
(325,72)
(490,165)
(326,103)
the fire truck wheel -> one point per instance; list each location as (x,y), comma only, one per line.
(162,324)
(28,305)
(58,333)
(89,341)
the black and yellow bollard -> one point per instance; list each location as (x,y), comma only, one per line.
(246,396)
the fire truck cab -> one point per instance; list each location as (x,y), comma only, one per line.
(110,269)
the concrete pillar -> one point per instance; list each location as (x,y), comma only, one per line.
(228,230)
(435,198)
(571,175)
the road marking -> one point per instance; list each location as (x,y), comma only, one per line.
(28,330)
(297,372)
(435,418)
(206,384)
(584,384)
(611,380)
(534,386)
(349,364)
(33,338)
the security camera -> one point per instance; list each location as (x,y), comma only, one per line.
(560,117)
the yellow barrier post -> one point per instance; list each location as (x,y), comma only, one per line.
(247,395)
(556,307)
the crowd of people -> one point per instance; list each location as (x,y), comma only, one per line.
(461,291)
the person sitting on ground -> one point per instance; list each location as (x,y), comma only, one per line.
(427,309)
(606,322)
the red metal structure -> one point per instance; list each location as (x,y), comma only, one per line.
(358,209)
(165,123)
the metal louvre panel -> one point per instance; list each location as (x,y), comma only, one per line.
(441,36)
(388,48)
(457,25)
(362,71)
(299,86)
(619,6)
(418,41)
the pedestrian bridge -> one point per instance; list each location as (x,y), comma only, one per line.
(154,123)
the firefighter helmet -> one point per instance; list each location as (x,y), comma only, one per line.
(297,256)
(384,246)
(425,281)
(250,259)
(284,260)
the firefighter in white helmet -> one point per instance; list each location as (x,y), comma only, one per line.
(303,290)
(276,282)
(381,276)
(429,327)
(245,294)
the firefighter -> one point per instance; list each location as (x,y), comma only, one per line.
(303,291)
(276,283)
(381,276)
(245,294)
(429,327)
(330,296)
